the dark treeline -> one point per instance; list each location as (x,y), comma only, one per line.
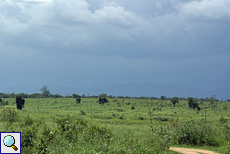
(41,95)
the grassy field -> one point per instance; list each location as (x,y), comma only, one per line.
(120,126)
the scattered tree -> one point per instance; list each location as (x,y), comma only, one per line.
(103,99)
(45,91)
(20,102)
(192,103)
(163,97)
(9,115)
(78,99)
(175,100)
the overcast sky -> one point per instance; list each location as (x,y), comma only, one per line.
(99,43)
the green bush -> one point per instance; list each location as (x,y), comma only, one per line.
(9,115)
(2,103)
(197,134)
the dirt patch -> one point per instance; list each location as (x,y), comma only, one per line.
(191,151)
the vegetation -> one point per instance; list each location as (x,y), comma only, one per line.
(20,102)
(175,100)
(103,99)
(78,98)
(192,103)
(121,125)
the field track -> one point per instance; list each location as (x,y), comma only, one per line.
(191,151)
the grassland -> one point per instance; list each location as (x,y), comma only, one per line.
(120,126)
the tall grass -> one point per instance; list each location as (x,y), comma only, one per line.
(51,130)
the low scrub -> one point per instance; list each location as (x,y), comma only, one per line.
(197,134)
(74,135)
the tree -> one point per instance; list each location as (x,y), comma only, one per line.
(192,103)
(175,100)
(163,97)
(78,98)
(9,115)
(20,102)
(45,91)
(103,99)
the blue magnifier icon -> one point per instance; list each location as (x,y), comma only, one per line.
(9,141)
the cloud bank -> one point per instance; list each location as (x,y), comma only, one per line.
(168,41)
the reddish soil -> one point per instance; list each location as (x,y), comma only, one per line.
(191,151)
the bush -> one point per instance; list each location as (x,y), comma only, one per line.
(20,102)
(9,115)
(71,134)
(4,103)
(83,113)
(197,134)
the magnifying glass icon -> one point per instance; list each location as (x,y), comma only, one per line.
(9,141)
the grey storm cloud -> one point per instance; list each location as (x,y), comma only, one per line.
(119,37)
(71,24)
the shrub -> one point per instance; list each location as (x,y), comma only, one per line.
(4,103)
(115,100)
(141,118)
(9,115)
(83,113)
(196,134)
(20,102)
(28,136)
(103,99)
(222,120)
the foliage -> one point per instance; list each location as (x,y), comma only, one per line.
(9,115)
(197,134)
(163,97)
(133,107)
(103,99)
(175,100)
(109,132)
(78,98)
(28,136)
(3,103)
(192,103)
(45,91)
(20,102)
(222,120)
(83,113)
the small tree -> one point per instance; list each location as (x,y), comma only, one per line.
(175,100)
(103,99)
(45,91)
(9,115)
(20,102)
(192,103)
(78,98)
(163,97)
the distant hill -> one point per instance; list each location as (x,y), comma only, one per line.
(134,89)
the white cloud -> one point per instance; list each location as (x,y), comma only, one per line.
(46,1)
(158,6)
(209,9)
(11,25)
(71,24)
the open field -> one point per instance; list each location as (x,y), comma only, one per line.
(119,126)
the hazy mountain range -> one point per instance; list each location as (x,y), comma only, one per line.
(133,89)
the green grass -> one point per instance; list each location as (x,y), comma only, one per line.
(129,126)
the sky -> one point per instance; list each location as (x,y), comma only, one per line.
(70,45)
